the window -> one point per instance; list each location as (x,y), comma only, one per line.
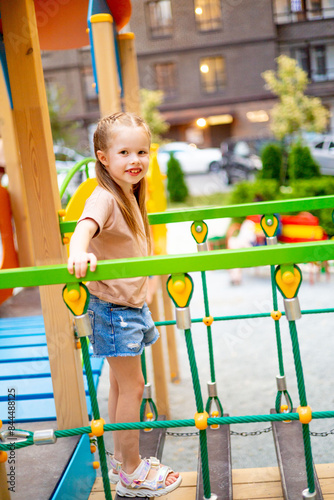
(160,18)
(208,14)
(212,70)
(165,76)
(302,57)
(319,63)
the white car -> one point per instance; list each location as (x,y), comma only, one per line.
(323,152)
(193,160)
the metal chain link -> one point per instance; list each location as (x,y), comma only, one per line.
(232,433)
(322,434)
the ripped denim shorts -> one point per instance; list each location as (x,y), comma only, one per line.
(120,330)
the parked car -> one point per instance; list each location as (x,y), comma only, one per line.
(322,151)
(193,160)
(237,162)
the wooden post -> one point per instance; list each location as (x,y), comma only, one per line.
(160,383)
(129,70)
(16,189)
(4,492)
(170,329)
(32,123)
(106,64)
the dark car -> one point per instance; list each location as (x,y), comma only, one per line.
(237,163)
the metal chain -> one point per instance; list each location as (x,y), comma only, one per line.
(322,434)
(232,433)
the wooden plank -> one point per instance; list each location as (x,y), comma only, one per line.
(220,466)
(32,123)
(129,70)
(289,445)
(16,189)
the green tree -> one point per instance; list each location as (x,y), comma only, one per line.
(64,131)
(150,101)
(176,185)
(271,156)
(301,164)
(295,111)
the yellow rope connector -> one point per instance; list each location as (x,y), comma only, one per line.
(149,418)
(66,240)
(201,420)
(214,415)
(276,315)
(305,414)
(78,344)
(97,427)
(92,448)
(285,409)
(3,457)
(208,320)
(62,212)
(96,465)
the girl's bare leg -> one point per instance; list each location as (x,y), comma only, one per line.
(112,405)
(127,374)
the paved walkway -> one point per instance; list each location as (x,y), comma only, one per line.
(246,361)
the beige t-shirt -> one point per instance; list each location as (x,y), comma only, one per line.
(115,240)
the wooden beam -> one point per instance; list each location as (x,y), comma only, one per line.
(129,70)
(4,492)
(16,189)
(106,65)
(32,123)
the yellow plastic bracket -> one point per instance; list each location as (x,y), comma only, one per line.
(215,414)
(288,280)
(101,18)
(305,414)
(276,315)
(75,297)
(97,427)
(201,420)
(269,224)
(199,230)
(180,288)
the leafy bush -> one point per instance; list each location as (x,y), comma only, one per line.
(176,185)
(267,190)
(271,156)
(301,164)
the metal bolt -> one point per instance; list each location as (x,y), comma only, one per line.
(198,229)
(270,222)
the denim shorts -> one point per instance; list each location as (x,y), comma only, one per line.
(120,330)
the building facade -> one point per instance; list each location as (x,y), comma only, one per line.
(207,56)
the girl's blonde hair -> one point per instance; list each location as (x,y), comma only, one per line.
(103,137)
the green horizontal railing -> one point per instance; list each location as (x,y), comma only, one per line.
(263,208)
(169,264)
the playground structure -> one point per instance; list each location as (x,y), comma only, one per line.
(28,143)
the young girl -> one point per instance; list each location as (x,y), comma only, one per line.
(114,225)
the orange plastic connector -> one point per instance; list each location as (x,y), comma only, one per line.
(276,315)
(305,414)
(62,212)
(78,344)
(96,465)
(97,427)
(201,420)
(215,414)
(66,240)
(285,409)
(208,320)
(3,457)
(92,448)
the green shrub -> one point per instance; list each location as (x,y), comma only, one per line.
(301,164)
(268,190)
(271,156)
(176,185)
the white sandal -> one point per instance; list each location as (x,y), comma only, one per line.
(137,484)
(115,466)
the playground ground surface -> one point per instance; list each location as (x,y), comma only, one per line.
(246,360)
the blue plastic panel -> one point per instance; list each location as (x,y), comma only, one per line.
(79,477)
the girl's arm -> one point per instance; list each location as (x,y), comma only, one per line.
(79,257)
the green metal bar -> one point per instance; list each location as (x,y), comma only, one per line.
(263,208)
(208,328)
(73,171)
(161,264)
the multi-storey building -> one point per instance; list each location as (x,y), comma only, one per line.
(207,57)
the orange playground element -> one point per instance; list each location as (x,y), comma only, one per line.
(9,255)
(62,24)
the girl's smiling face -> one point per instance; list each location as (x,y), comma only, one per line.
(127,158)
